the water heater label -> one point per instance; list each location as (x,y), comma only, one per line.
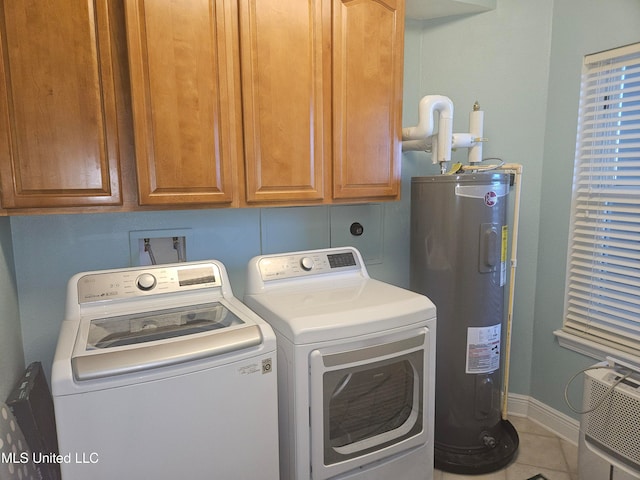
(483,349)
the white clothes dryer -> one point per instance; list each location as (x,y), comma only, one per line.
(160,372)
(356,367)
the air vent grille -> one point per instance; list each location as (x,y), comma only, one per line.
(615,425)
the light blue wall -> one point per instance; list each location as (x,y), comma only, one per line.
(580,27)
(11,355)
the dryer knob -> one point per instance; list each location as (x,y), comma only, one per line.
(146,281)
(306,263)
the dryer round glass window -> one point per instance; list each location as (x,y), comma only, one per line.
(373,398)
(368,408)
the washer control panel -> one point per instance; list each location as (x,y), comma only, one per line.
(299,264)
(117,284)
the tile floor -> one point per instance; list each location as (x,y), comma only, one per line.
(540,451)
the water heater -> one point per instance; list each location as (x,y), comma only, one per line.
(459,259)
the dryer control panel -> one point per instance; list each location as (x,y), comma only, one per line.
(315,262)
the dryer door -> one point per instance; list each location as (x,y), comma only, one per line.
(373,396)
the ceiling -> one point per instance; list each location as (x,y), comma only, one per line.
(427,9)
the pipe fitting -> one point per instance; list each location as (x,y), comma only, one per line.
(429,104)
(488,440)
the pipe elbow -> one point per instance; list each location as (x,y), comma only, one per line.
(428,106)
(442,104)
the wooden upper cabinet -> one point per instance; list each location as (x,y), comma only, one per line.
(234,102)
(286,87)
(180,59)
(368,45)
(58,124)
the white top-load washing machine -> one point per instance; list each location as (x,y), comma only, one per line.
(161,373)
(356,361)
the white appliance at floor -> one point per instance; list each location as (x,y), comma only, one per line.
(609,442)
(160,372)
(356,360)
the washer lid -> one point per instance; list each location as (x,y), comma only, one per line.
(159,325)
(130,343)
(322,310)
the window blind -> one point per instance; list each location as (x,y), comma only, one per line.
(602,302)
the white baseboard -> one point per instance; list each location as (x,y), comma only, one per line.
(562,425)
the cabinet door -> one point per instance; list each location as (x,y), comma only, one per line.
(368,49)
(285,60)
(182,107)
(58,124)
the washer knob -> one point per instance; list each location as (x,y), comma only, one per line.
(146,282)
(306,263)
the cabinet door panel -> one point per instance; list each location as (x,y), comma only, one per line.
(285,59)
(367,97)
(59,142)
(181,111)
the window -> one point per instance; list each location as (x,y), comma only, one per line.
(602,300)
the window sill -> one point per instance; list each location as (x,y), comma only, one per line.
(592,349)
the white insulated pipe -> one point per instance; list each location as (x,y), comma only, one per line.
(422,145)
(472,140)
(476,127)
(429,105)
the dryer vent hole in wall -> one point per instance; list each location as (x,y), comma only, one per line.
(356,229)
